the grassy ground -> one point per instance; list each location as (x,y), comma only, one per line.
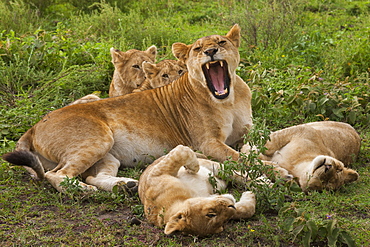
(304,60)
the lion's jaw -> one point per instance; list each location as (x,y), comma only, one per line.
(202,215)
(212,62)
(328,173)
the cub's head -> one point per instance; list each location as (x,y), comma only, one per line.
(329,173)
(162,73)
(128,65)
(212,60)
(203,216)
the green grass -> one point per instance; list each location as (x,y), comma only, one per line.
(304,60)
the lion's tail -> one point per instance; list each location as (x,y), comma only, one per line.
(26,158)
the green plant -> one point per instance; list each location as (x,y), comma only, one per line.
(71,185)
(250,173)
(300,224)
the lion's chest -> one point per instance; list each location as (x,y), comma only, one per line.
(236,125)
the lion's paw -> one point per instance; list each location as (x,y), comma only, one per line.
(131,187)
(87,187)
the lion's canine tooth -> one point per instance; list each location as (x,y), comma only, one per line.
(207,65)
(222,63)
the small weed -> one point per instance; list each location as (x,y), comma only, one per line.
(302,226)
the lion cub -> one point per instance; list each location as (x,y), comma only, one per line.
(316,153)
(128,72)
(161,74)
(176,192)
(156,75)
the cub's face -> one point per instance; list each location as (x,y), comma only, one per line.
(164,72)
(330,174)
(128,64)
(203,216)
(212,60)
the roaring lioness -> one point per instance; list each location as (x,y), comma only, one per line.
(161,74)
(177,194)
(128,72)
(316,153)
(208,109)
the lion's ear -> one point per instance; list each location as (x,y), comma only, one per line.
(117,55)
(350,175)
(180,51)
(234,35)
(152,52)
(176,223)
(150,69)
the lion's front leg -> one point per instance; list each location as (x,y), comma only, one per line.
(219,150)
(246,206)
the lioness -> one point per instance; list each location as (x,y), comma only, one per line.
(176,192)
(161,74)
(316,153)
(208,109)
(128,72)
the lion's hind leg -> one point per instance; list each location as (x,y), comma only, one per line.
(104,176)
(175,159)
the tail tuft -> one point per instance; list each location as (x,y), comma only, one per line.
(25,158)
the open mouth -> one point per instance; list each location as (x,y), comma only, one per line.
(217,77)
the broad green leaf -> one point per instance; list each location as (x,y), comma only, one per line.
(296,231)
(312,228)
(347,239)
(333,238)
(295,187)
(307,239)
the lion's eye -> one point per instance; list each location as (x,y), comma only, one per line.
(222,42)
(136,66)
(211,215)
(197,48)
(165,76)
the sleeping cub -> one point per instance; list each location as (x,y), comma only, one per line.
(176,193)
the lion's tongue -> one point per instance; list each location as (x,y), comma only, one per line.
(217,76)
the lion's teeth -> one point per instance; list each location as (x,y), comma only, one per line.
(226,90)
(222,64)
(207,65)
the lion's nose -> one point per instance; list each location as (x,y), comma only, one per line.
(211,51)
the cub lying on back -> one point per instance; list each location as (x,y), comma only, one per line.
(176,193)
(208,109)
(316,153)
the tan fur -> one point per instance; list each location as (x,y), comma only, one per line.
(316,153)
(176,193)
(96,138)
(156,75)
(128,72)
(161,74)
(86,99)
